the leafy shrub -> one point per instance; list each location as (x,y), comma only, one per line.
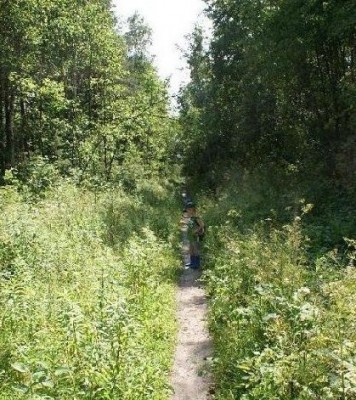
(281,329)
(152,205)
(35,176)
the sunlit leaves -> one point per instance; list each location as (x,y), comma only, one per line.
(74,91)
(81,299)
(282,327)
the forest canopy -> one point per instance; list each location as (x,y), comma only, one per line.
(275,88)
(78,93)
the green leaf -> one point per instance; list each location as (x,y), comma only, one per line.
(61,371)
(39,376)
(19,367)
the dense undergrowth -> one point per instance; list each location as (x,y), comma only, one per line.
(86,292)
(280,275)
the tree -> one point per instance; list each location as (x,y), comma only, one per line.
(76,91)
(282,74)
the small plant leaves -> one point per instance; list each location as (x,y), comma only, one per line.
(19,367)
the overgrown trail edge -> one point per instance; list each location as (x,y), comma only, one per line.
(191,379)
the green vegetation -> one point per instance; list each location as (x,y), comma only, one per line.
(282,311)
(274,88)
(77,91)
(88,167)
(88,245)
(87,291)
(269,138)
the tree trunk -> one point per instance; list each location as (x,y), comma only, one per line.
(9,124)
(2,126)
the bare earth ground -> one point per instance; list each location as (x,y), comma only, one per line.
(190,377)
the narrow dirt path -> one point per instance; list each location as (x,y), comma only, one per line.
(191,379)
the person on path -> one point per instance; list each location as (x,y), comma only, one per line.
(186,199)
(185,241)
(195,234)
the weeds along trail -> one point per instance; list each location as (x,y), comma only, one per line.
(281,312)
(87,289)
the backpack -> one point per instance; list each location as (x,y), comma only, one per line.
(201,232)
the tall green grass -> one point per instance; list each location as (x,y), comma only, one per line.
(282,306)
(87,292)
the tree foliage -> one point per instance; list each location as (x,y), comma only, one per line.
(76,91)
(279,86)
(268,124)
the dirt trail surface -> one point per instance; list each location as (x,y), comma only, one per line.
(190,377)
